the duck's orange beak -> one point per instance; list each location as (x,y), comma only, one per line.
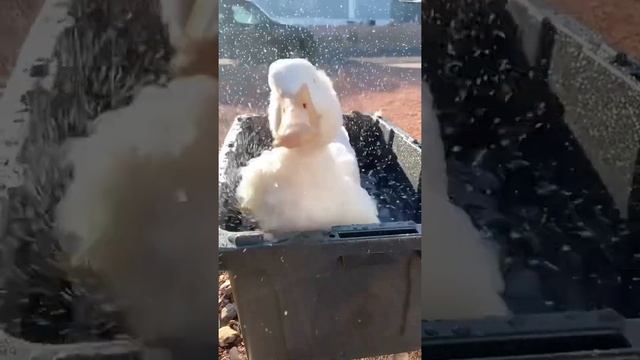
(293,135)
(297,121)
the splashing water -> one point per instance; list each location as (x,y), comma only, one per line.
(381,174)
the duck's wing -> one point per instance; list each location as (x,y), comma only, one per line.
(344,155)
(461,275)
(256,176)
(345,161)
(161,122)
(435,176)
(343,138)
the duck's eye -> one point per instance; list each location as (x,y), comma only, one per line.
(304,105)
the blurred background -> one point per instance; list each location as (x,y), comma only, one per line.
(370,49)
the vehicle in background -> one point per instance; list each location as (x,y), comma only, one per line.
(321,30)
(354,28)
(249,35)
(406,11)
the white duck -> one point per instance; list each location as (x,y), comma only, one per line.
(460,272)
(138,211)
(141,204)
(310,179)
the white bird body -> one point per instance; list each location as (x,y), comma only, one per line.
(343,138)
(288,191)
(140,207)
(310,180)
(139,211)
(461,278)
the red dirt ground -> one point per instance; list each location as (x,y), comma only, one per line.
(617,20)
(401,106)
(395,92)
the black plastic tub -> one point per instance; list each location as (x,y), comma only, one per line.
(346,293)
(389,162)
(522,167)
(532,185)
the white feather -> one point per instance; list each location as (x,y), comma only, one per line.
(154,125)
(155,250)
(460,272)
(291,191)
(302,189)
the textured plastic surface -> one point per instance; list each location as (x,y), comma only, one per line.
(605,114)
(602,334)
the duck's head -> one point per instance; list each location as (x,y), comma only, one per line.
(304,110)
(193,33)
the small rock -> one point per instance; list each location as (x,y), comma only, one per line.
(229,312)
(227,336)
(235,325)
(222,302)
(234,354)
(225,288)
(401,356)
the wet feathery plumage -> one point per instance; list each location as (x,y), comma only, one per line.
(310,180)
(140,207)
(460,271)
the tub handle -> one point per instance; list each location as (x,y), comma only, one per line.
(375,230)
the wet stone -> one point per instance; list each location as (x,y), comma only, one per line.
(227,336)
(234,354)
(225,289)
(229,312)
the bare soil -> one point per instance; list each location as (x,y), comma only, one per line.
(617,20)
(367,88)
(401,106)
